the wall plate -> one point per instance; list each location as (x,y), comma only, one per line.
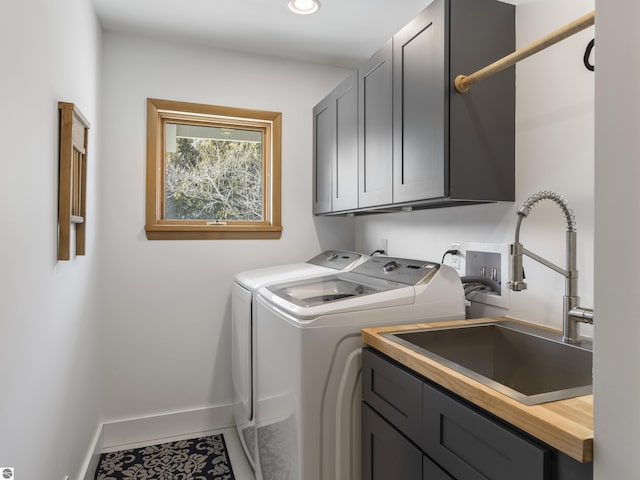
(487,255)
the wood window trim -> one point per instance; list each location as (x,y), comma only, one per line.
(157,227)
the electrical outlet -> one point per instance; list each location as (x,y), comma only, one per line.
(455,259)
(384,246)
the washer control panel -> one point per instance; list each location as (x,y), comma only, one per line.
(335,259)
(401,270)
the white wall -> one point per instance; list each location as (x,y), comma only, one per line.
(617,328)
(164,354)
(166,304)
(49,369)
(554,150)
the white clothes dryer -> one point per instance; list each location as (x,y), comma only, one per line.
(308,350)
(245,285)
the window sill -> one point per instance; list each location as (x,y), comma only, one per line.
(212,232)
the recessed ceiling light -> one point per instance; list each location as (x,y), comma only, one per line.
(304,7)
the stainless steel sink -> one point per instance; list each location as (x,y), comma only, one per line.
(526,363)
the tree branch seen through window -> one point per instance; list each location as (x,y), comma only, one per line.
(213,172)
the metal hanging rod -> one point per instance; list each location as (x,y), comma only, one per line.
(463,82)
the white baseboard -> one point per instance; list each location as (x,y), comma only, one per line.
(90,465)
(136,432)
(129,433)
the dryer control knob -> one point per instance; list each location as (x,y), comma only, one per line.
(390,266)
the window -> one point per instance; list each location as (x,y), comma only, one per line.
(212,172)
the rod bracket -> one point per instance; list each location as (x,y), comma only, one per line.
(460,84)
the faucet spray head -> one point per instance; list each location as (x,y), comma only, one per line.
(517,283)
(523,210)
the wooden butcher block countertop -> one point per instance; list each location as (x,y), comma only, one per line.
(565,424)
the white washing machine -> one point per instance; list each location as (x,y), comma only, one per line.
(307,417)
(245,285)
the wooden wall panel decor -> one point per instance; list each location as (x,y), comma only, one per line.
(72,180)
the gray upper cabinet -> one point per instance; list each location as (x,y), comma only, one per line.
(323,141)
(421,143)
(419,107)
(335,149)
(345,171)
(376,129)
(481,126)
(451,147)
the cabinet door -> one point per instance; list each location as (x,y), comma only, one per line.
(323,154)
(386,454)
(471,446)
(345,166)
(420,94)
(375,81)
(431,471)
(393,392)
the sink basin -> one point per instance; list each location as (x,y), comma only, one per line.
(528,364)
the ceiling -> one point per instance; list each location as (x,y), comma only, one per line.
(341,33)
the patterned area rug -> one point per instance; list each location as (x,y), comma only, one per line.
(203,458)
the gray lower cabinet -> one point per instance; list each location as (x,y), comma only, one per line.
(414,429)
(335,149)
(471,446)
(390,455)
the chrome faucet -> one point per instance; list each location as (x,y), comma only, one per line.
(572,314)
